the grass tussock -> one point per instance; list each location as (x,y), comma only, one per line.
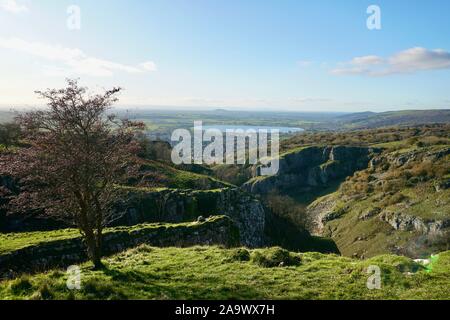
(275,257)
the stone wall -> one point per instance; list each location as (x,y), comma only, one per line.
(214,231)
(143,205)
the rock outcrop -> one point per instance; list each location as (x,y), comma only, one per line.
(61,253)
(404,222)
(312,167)
(169,205)
(144,205)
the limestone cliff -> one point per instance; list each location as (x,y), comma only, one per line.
(142,205)
(172,205)
(311,167)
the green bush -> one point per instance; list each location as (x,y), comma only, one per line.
(240,254)
(275,257)
(20,285)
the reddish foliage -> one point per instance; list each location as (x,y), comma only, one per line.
(76,154)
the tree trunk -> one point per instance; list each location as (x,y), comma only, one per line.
(98,251)
(94,245)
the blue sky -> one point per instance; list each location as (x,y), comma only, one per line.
(247,54)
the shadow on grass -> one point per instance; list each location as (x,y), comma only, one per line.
(131,284)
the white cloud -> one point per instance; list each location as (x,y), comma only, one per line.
(149,66)
(13,6)
(367,60)
(407,61)
(72,61)
(420,59)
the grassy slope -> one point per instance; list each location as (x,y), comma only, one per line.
(371,236)
(211,273)
(14,241)
(363,237)
(10,242)
(159,174)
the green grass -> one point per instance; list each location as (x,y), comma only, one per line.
(180,179)
(10,242)
(215,273)
(14,241)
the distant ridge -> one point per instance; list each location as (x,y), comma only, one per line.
(393,118)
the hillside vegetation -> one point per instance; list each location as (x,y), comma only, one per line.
(400,204)
(398,118)
(157,174)
(365,137)
(398,201)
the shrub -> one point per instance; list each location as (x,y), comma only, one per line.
(20,285)
(423,169)
(275,257)
(240,254)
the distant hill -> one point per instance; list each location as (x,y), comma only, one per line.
(393,118)
(356,116)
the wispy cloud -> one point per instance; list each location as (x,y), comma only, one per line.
(407,61)
(72,60)
(148,66)
(13,6)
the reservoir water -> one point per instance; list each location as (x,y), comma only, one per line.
(225,127)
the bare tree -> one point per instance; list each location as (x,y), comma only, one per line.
(77,154)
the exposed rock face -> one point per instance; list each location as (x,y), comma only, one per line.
(187,205)
(399,160)
(312,167)
(405,222)
(321,212)
(173,205)
(61,253)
